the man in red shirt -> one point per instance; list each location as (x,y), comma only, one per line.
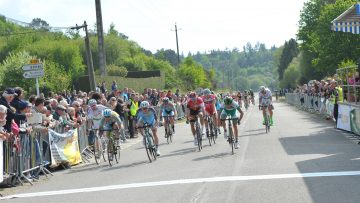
(210,110)
(195,107)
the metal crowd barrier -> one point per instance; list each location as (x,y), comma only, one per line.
(25,157)
(313,104)
(86,153)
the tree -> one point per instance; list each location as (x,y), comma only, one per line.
(39,23)
(289,52)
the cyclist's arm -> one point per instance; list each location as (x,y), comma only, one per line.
(241,112)
(101,125)
(174,109)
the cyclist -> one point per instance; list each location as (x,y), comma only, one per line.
(147,114)
(195,106)
(238,98)
(265,101)
(252,97)
(94,116)
(246,98)
(228,108)
(167,108)
(111,121)
(209,100)
(219,101)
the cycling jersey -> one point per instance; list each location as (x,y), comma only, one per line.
(148,117)
(195,106)
(107,124)
(209,103)
(96,115)
(229,110)
(167,109)
(265,98)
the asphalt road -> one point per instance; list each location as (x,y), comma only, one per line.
(302,159)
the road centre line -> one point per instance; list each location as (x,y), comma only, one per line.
(184,181)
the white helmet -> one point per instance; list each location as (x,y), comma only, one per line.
(144,104)
(262,88)
(92,102)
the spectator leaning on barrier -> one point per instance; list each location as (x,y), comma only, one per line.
(3,134)
(6,98)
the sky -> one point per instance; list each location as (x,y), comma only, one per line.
(203,25)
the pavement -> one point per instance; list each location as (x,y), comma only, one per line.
(303,159)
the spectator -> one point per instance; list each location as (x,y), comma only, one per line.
(6,98)
(113,86)
(3,134)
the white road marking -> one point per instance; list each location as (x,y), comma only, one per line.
(184,181)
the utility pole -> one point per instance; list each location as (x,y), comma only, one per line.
(177,45)
(89,60)
(100,32)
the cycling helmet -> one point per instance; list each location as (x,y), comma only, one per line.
(165,100)
(92,102)
(206,91)
(144,104)
(106,113)
(262,88)
(228,100)
(192,95)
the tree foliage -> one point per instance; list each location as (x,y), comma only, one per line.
(322,49)
(288,53)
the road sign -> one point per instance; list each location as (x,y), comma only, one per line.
(34,74)
(38,66)
(34,61)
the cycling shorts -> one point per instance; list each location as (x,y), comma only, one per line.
(194,112)
(210,109)
(265,102)
(168,113)
(225,113)
(150,121)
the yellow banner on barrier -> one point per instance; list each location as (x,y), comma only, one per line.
(64,148)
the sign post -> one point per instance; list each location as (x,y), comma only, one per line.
(34,70)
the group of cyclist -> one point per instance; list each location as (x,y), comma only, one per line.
(217,106)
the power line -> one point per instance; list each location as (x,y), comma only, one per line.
(29,25)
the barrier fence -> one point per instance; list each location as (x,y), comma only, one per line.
(313,104)
(28,155)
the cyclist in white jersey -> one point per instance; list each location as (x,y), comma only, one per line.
(265,101)
(94,113)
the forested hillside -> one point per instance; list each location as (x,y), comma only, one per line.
(255,65)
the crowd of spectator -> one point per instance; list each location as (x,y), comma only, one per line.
(68,110)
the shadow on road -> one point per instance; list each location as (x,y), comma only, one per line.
(180,152)
(260,129)
(119,166)
(332,152)
(213,156)
(88,167)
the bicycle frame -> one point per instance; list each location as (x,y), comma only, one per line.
(149,142)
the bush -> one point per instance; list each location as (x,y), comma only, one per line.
(114,70)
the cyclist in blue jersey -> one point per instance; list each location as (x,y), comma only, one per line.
(167,108)
(146,114)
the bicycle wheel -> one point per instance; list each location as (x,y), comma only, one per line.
(198,136)
(110,151)
(97,149)
(147,148)
(268,124)
(231,139)
(211,134)
(153,147)
(214,135)
(117,150)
